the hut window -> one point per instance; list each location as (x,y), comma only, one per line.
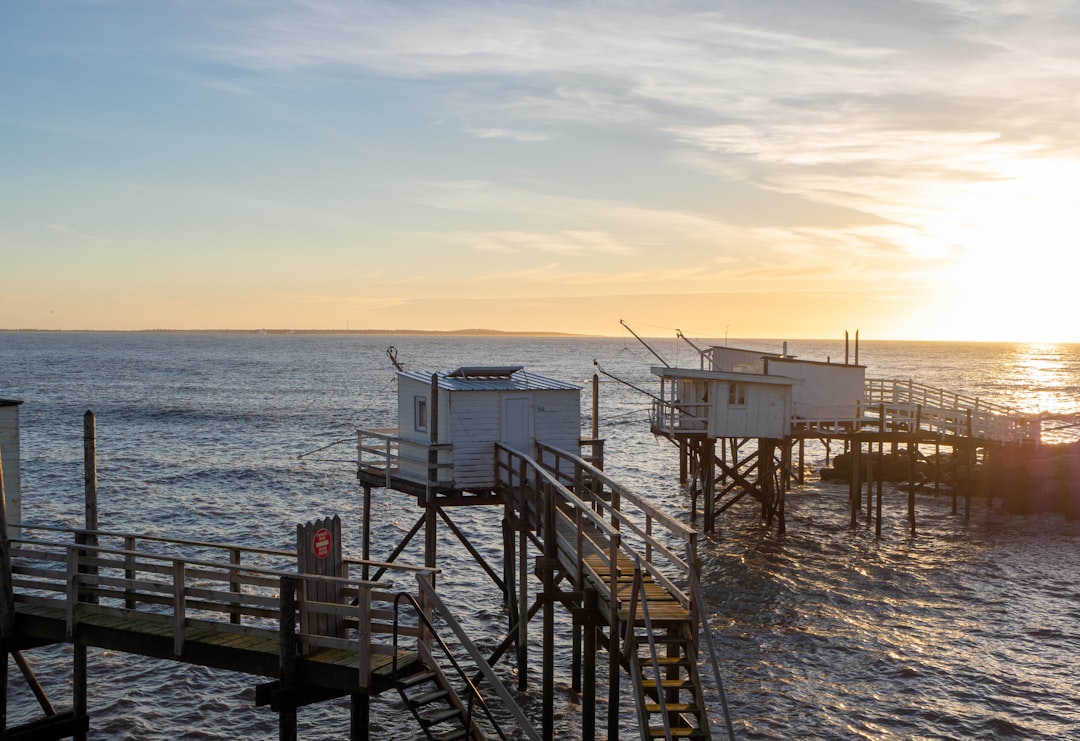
(736,395)
(420,413)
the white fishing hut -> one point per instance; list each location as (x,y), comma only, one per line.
(9,455)
(723,404)
(462,414)
(828,392)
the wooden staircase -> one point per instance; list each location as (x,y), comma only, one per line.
(677,688)
(435,704)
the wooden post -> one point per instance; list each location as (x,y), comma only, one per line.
(430,508)
(595,406)
(550,561)
(588,696)
(855,485)
(707,472)
(523,605)
(365,546)
(287,658)
(90,473)
(359,716)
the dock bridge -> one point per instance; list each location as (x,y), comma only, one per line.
(625,572)
(312,637)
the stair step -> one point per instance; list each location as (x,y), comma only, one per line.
(677,732)
(428,697)
(668,684)
(414,679)
(454,734)
(672,707)
(664,661)
(431,719)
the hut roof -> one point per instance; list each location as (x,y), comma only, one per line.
(492,378)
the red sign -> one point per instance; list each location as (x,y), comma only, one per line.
(320,543)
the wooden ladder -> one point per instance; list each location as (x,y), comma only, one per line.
(435,704)
(678,685)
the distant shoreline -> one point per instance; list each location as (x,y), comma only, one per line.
(421,332)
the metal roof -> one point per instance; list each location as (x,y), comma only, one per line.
(492,378)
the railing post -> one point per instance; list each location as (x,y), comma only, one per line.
(73,552)
(234,582)
(363,634)
(130,601)
(179,606)
(614,650)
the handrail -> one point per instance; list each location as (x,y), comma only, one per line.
(429,593)
(638,588)
(474,692)
(611,530)
(84,580)
(622,522)
(699,598)
(211,545)
(391,454)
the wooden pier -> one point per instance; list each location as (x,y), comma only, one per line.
(937,436)
(624,571)
(314,625)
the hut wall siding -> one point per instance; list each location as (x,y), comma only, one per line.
(9,448)
(766,413)
(825,387)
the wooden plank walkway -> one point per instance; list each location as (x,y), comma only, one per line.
(201,608)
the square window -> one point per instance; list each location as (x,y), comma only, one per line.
(736,395)
(420,415)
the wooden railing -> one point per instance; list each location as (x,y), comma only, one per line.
(892,405)
(388,452)
(606,519)
(948,414)
(673,416)
(188,584)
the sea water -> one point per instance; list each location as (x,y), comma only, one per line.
(968,629)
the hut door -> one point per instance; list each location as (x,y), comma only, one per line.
(517,423)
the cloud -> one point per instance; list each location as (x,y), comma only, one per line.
(80,235)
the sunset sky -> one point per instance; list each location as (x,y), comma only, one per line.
(752,169)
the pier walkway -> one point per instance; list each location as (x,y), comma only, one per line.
(250,610)
(934,414)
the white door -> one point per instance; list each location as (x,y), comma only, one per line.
(517,424)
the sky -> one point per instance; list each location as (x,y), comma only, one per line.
(758,168)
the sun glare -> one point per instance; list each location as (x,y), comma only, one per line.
(1015,238)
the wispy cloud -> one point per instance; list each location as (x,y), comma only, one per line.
(79,235)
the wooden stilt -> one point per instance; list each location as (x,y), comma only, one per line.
(855,487)
(588,695)
(707,466)
(287,728)
(523,612)
(551,557)
(359,717)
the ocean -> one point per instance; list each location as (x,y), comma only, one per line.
(969,629)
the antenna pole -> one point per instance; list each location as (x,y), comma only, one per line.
(643,342)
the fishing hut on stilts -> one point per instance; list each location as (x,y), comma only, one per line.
(616,571)
(742,419)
